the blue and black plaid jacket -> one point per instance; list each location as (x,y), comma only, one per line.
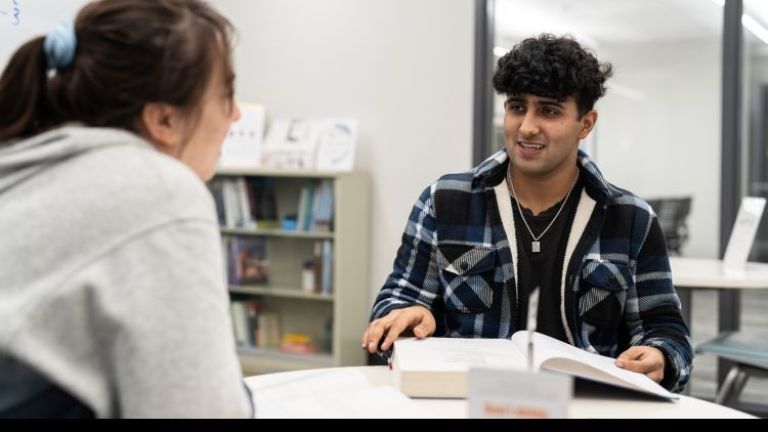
(616,287)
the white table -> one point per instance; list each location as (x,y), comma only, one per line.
(711,273)
(702,273)
(583,406)
(689,274)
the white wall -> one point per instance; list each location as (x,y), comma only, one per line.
(31,21)
(402,67)
(658,132)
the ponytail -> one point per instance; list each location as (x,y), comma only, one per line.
(22,92)
(124,55)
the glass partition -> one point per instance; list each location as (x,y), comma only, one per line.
(754,165)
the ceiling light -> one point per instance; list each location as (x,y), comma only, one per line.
(750,24)
(755,27)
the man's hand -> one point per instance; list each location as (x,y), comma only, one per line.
(390,327)
(644,359)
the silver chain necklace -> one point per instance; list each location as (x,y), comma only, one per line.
(536,244)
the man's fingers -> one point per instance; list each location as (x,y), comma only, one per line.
(414,318)
(393,333)
(425,328)
(628,356)
(420,332)
(656,375)
(634,365)
(375,331)
(643,359)
(645,366)
(423,323)
(632,353)
(383,332)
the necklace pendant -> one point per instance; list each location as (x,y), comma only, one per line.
(535,247)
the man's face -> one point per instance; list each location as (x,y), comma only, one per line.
(542,134)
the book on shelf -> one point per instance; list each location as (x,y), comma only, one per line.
(325,282)
(322,207)
(437,367)
(253,325)
(246,260)
(306,197)
(245,322)
(262,203)
(315,207)
(268,332)
(322,266)
(245,202)
(298,343)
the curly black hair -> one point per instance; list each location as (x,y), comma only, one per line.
(552,66)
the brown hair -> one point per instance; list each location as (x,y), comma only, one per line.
(129,53)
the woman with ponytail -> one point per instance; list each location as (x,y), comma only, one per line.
(112,294)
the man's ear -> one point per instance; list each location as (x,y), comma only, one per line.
(161,124)
(587,124)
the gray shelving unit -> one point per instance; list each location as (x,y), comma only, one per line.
(308,313)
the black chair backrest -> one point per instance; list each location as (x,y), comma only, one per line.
(672,214)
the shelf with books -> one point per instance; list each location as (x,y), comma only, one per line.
(279,292)
(296,253)
(255,232)
(260,172)
(276,360)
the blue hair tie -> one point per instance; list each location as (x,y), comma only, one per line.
(60,46)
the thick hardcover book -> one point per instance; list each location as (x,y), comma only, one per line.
(437,367)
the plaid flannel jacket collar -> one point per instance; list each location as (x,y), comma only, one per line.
(492,171)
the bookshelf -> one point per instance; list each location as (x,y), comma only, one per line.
(274,312)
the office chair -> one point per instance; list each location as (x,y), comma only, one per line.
(672,214)
(749,352)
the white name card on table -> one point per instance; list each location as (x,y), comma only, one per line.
(744,231)
(514,393)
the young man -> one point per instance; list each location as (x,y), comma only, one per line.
(538,220)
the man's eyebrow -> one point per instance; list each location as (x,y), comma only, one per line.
(547,102)
(551,102)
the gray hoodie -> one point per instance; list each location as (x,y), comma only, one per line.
(111,277)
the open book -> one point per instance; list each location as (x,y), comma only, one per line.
(437,367)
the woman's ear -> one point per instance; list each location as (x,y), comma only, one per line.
(161,124)
(587,124)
